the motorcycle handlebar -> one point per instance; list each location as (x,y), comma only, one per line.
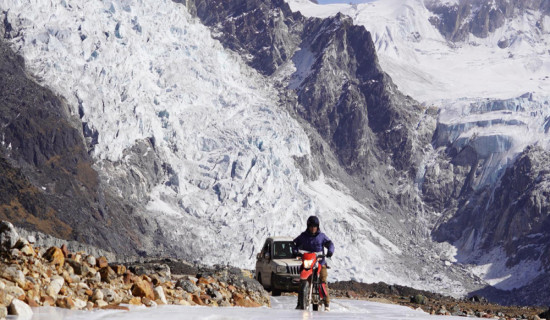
(319,254)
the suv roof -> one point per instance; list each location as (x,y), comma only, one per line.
(281,238)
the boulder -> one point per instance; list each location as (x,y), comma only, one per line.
(91,260)
(20,308)
(184,302)
(79,304)
(187,285)
(197,300)
(47,301)
(28,250)
(101,303)
(110,296)
(128,278)
(31,302)
(97,295)
(55,286)
(159,295)
(119,269)
(107,274)
(5,298)
(65,251)
(55,256)
(143,288)
(3,312)
(66,303)
(8,236)
(242,301)
(418,299)
(214,294)
(13,291)
(102,262)
(148,302)
(77,266)
(13,274)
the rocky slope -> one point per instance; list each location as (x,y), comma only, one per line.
(33,276)
(48,183)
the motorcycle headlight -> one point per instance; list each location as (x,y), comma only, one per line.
(308,263)
(281,269)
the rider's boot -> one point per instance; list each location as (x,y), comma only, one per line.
(299,306)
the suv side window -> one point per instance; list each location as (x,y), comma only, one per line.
(266,249)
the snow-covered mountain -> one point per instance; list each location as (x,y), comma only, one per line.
(485,66)
(211,124)
(202,146)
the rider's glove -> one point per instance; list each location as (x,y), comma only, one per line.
(329,254)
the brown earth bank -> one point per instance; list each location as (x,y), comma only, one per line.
(433,303)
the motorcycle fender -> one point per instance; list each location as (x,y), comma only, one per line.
(305,274)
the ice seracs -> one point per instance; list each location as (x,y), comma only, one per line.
(150,84)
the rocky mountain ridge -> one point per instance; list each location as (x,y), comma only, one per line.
(456,21)
(465,178)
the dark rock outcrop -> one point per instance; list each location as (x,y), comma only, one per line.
(48,182)
(479,17)
(339,86)
(515,214)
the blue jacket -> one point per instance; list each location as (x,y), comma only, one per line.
(313,243)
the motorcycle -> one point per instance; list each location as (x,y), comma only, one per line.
(312,291)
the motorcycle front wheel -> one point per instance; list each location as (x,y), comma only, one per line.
(304,290)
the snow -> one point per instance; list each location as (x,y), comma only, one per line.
(282,308)
(492,267)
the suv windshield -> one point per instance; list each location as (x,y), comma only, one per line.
(282,250)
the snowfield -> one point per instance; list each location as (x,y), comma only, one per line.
(282,308)
(428,68)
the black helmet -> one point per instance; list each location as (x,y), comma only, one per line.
(313,221)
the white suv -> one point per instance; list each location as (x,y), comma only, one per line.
(276,266)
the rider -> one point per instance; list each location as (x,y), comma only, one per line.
(313,240)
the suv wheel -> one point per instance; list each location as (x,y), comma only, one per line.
(274,292)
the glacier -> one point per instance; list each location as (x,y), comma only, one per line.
(148,74)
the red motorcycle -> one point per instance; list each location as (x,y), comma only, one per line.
(312,291)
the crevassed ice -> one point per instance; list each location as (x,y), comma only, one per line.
(139,69)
